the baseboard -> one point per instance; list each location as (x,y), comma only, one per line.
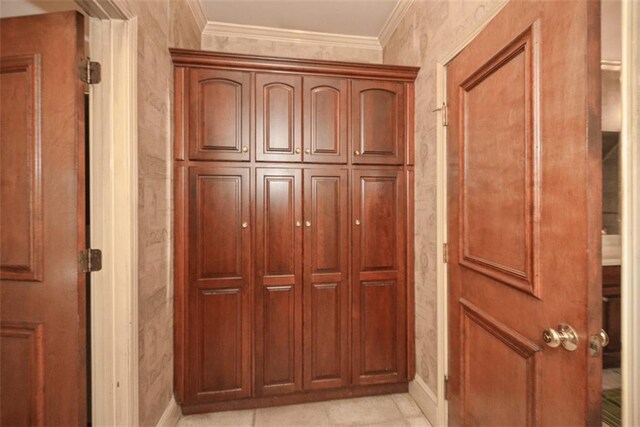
(171,415)
(425,398)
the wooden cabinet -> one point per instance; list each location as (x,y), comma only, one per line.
(379,295)
(293,267)
(325,120)
(219,114)
(279,118)
(378,114)
(219,293)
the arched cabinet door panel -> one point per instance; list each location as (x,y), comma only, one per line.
(220,104)
(378,128)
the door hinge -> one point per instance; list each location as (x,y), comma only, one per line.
(90,72)
(445,253)
(446,387)
(90,260)
(445,114)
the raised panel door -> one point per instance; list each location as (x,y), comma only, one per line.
(325,120)
(220,284)
(379,290)
(219,114)
(278,334)
(378,122)
(278,118)
(326,284)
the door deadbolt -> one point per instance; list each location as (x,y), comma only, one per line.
(565,335)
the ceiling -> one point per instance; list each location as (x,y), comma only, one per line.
(351,17)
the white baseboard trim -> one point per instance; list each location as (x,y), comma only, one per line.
(425,398)
(171,415)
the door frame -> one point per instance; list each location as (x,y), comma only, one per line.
(113,204)
(630,179)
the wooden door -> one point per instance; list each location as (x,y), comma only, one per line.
(379,291)
(325,120)
(326,283)
(42,221)
(219,294)
(378,128)
(278,118)
(524,204)
(219,116)
(278,296)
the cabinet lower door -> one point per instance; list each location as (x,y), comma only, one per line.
(326,291)
(278,335)
(379,291)
(219,297)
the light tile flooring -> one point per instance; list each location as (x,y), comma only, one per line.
(389,410)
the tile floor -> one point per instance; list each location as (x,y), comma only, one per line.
(389,410)
(611,378)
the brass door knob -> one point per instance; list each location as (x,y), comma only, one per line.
(598,342)
(245,149)
(603,337)
(298,150)
(565,335)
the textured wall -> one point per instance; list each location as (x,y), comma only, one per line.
(254,46)
(161,24)
(430,30)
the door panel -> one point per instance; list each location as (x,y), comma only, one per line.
(325,120)
(42,222)
(523,182)
(379,290)
(220,103)
(220,285)
(278,349)
(378,114)
(279,118)
(326,293)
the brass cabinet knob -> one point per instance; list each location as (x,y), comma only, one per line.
(565,335)
(245,224)
(307,223)
(245,149)
(307,151)
(357,222)
(298,223)
(298,150)
(357,152)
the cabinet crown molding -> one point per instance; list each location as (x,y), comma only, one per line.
(198,58)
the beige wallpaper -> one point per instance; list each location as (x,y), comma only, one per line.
(161,24)
(430,30)
(252,46)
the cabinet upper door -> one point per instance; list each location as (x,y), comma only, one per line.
(219,115)
(325,120)
(378,127)
(278,118)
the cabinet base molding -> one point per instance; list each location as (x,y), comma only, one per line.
(303,397)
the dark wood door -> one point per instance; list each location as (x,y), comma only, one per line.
(219,306)
(325,120)
(524,189)
(42,221)
(278,296)
(326,283)
(379,291)
(220,114)
(278,118)
(378,129)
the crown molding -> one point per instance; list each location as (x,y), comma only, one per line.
(198,13)
(397,14)
(223,29)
